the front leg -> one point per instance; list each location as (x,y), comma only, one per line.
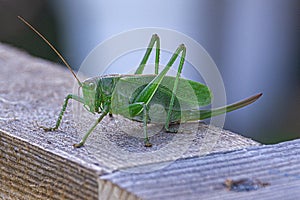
(58,122)
(81,143)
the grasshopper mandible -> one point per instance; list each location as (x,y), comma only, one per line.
(101,96)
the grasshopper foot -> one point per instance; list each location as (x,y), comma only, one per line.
(171,130)
(147,143)
(78,145)
(48,129)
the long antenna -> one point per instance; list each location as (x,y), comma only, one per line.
(52,47)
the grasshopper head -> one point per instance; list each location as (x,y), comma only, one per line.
(89,90)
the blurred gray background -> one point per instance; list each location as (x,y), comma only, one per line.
(254,43)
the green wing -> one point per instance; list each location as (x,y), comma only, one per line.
(190,94)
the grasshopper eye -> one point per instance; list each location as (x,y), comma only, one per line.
(92,86)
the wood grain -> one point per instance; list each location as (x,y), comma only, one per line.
(203,177)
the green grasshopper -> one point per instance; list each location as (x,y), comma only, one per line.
(103,95)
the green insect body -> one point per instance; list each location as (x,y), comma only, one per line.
(132,96)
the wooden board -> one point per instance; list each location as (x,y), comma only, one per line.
(277,166)
(36,164)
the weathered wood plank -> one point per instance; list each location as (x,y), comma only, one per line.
(28,171)
(35,164)
(203,177)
